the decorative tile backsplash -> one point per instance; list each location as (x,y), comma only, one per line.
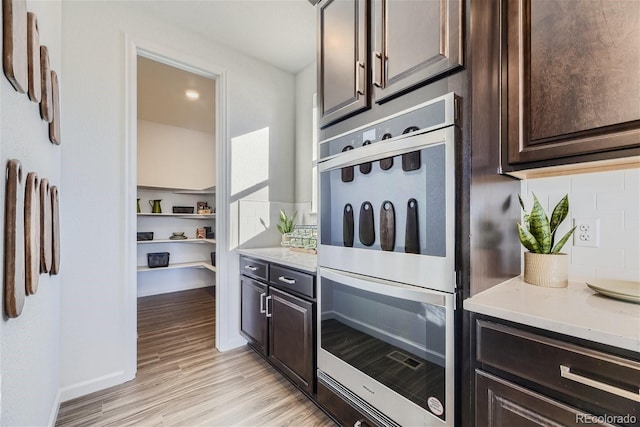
(614,199)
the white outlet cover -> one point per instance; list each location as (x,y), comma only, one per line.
(587,233)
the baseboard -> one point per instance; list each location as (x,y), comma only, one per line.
(231,344)
(96,384)
(54,411)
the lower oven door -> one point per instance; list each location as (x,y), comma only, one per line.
(390,345)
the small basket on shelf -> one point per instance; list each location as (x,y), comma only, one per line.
(158,259)
(182,209)
(143,236)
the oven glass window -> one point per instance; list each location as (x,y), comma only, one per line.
(399,343)
(395,204)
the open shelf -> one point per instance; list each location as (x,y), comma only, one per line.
(172,215)
(211,241)
(197,264)
(204,191)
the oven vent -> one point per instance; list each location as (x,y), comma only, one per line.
(406,360)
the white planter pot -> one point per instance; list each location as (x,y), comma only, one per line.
(549,270)
(286,239)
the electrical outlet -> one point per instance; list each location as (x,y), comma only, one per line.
(587,233)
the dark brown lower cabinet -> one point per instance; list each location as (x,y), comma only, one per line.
(253,323)
(500,403)
(291,337)
(279,321)
(532,377)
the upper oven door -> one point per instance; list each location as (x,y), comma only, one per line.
(387,209)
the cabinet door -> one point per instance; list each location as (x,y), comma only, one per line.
(414,42)
(571,77)
(253,321)
(500,403)
(291,337)
(342,59)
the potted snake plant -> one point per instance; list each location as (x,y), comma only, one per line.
(285,227)
(544,264)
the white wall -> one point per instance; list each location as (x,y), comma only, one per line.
(614,198)
(174,157)
(93,342)
(30,343)
(305,88)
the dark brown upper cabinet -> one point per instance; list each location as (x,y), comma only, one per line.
(342,59)
(414,42)
(570,81)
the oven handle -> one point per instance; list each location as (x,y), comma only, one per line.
(388,148)
(388,288)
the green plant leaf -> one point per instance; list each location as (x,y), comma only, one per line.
(539,226)
(559,213)
(527,240)
(283,216)
(280,229)
(562,241)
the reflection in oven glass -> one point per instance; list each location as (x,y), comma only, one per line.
(407,374)
(397,342)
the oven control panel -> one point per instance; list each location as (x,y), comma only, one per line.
(435,114)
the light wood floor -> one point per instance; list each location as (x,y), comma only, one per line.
(183,380)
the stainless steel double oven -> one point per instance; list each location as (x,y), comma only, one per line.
(387,270)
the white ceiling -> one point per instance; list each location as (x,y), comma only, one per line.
(279,32)
(162,99)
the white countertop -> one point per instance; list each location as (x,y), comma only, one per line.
(284,256)
(576,311)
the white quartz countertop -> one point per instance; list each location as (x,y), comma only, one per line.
(576,311)
(284,256)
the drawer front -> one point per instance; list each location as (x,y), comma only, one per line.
(606,381)
(342,411)
(500,403)
(254,268)
(292,280)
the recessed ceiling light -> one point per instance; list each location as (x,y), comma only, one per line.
(192,94)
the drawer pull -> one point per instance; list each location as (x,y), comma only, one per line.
(565,372)
(262,303)
(287,280)
(251,268)
(267,299)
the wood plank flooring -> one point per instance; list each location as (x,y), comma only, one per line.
(183,380)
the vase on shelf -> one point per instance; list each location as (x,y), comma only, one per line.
(138,206)
(155,206)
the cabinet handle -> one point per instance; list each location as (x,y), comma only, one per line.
(267,299)
(287,280)
(565,372)
(378,70)
(251,268)
(360,79)
(262,303)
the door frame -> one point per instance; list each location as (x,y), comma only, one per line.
(148,49)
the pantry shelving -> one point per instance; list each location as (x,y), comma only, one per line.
(190,254)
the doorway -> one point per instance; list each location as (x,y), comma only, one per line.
(176,195)
(184,190)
